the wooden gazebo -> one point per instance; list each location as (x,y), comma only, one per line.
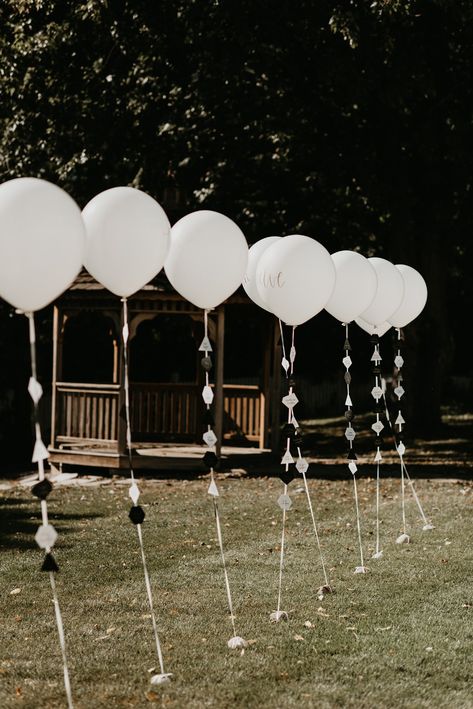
(87,421)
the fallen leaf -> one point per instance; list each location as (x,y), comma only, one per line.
(14,591)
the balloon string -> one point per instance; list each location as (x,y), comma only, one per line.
(282,344)
(216,510)
(377,507)
(403,497)
(314,526)
(281,557)
(150,599)
(358,524)
(224,564)
(44,511)
(414,493)
(125,335)
(62,641)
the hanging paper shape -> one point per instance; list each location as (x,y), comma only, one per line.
(205,345)
(277,616)
(350,433)
(46,536)
(378,457)
(35,389)
(284,502)
(207,394)
(49,564)
(377,427)
(302,465)
(210,438)
(376,392)
(398,361)
(285,364)
(399,391)
(40,452)
(134,492)
(287,476)
(292,354)
(236,643)
(352,467)
(42,489)
(137,514)
(290,400)
(125,332)
(401,449)
(213,489)
(403,539)
(347,361)
(287,458)
(162,678)
(348,401)
(400,420)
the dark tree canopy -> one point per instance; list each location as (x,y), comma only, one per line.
(351,122)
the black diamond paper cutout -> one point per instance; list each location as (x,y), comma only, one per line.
(287,476)
(352,455)
(347,377)
(374,339)
(49,563)
(347,345)
(42,489)
(210,459)
(288,430)
(349,415)
(292,382)
(137,514)
(378,440)
(206,363)
(376,370)
(208,418)
(379,409)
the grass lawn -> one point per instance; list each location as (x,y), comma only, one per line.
(400,636)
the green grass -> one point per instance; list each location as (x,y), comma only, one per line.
(369,644)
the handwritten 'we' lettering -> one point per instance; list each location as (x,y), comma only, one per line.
(272,280)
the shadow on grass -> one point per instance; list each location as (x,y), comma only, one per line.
(18,523)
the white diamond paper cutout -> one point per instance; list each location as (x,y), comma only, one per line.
(398,361)
(46,536)
(205,345)
(376,393)
(40,451)
(350,433)
(213,489)
(287,458)
(399,391)
(352,467)
(290,400)
(35,389)
(284,502)
(292,354)
(377,427)
(302,465)
(285,364)
(210,438)
(125,333)
(134,493)
(347,361)
(207,394)
(401,449)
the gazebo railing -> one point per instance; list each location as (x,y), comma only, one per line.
(89,414)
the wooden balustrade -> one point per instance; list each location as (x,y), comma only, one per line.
(87,413)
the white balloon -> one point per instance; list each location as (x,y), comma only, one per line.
(127,239)
(389,293)
(249,281)
(295,278)
(415,297)
(207,258)
(41,242)
(380,329)
(355,286)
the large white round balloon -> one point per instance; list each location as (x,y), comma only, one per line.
(249,281)
(415,297)
(41,242)
(389,293)
(380,329)
(295,278)
(355,287)
(207,258)
(127,239)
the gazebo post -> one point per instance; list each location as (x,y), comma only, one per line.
(57,368)
(219,377)
(121,422)
(265,398)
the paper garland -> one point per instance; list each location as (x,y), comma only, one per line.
(211,461)
(46,535)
